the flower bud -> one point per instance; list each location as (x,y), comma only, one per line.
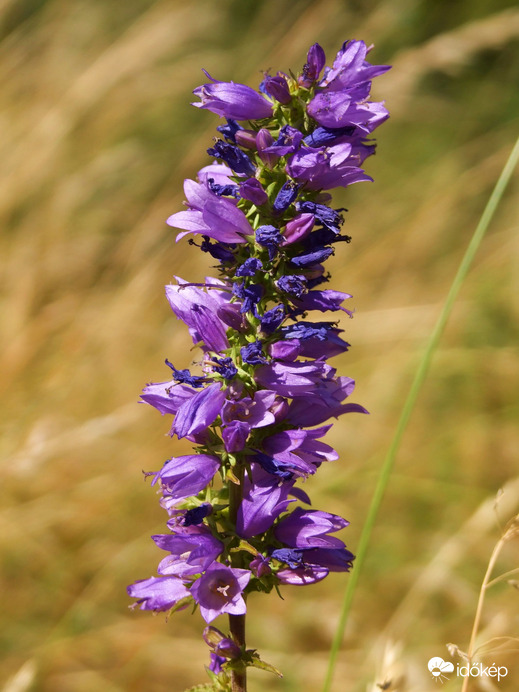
(263,140)
(315,61)
(277,87)
(260,566)
(246,139)
(285,350)
(279,408)
(231,316)
(297,228)
(252,190)
(220,644)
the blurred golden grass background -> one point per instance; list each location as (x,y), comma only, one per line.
(96,137)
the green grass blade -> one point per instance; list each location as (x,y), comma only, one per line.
(419,378)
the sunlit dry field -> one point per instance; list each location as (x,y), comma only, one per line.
(97,135)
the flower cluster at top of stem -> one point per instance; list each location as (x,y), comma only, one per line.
(258,411)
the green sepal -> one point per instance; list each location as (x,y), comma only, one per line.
(180,605)
(231,476)
(253,660)
(244,545)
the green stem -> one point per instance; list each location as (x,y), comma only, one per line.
(419,378)
(237,627)
(237,622)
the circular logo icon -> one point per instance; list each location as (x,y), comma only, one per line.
(438,667)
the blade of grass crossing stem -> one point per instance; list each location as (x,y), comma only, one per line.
(419,378)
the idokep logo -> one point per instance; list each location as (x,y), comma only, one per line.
(438,668)
(478,670)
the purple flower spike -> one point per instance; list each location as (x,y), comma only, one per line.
(158,593)
(231,100)
(219,591)
(257,401)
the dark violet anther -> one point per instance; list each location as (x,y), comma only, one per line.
(195,516)
(228,190)
(253,353)
(307,330)
(225,367)
(229,130)
(271,319)
(269,237)
(288,141)
(330,218)
(249,267)
(250,296)
(307,259)
(285,197)
(185,377)
(327,135)
(259,396)
(292,284)
(217,250)
(234,157)
(293,558)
